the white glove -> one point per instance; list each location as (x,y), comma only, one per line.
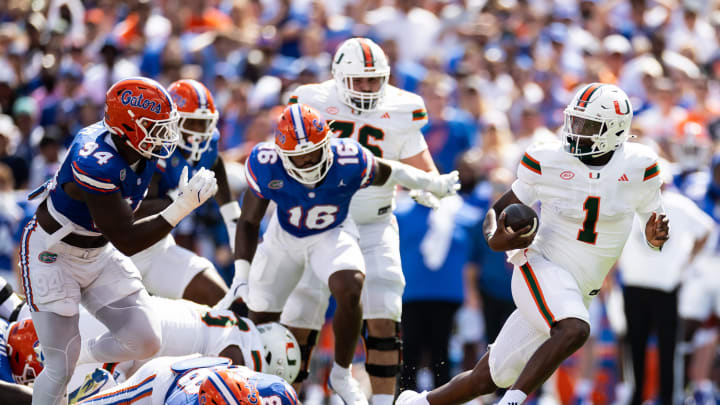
(191,194)
(239,287)
(425,198)
(445,184)
(230,213)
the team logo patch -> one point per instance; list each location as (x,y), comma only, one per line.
(47,257)
(179,100)
(567,175)
(332,110)
(275,184)
(175,161)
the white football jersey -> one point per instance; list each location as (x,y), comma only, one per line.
(391,132)
(188,328)
(586,213)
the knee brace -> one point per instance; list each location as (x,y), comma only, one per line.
(305,353)
(385,344)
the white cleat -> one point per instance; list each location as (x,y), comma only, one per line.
(348,389)
(408,397)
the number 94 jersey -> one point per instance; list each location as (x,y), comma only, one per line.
(301,210)
(586,213)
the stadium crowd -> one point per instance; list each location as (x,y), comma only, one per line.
(495,76)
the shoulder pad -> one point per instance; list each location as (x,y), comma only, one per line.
(408,104)
(314,95)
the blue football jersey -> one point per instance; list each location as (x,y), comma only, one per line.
(95,166)
(302,210)
(5,371)
(172,167)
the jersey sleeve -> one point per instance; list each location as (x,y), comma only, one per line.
(96,176)
(367,162)
(528,175)
(650,199)
(252,171)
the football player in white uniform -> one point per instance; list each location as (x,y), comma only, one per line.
(187,328)
(359,103)
(590,187)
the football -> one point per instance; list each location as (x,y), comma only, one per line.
(519,216)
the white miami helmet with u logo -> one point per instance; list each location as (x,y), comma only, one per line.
(360,58)
(597,120)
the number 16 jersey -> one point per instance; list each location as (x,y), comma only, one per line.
(586,212)
(305,210)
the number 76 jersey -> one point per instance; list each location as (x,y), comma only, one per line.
(303,210)
(586,213)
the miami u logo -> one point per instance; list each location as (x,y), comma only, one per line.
(617,108)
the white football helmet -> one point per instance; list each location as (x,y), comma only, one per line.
(597,120)
(360,58)
(282,351)
(691,146)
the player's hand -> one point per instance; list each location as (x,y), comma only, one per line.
(425,198)
(236,292)
(505,238)
(191,194)
(657,230)
(445,184)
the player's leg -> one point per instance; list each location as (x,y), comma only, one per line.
(171,271)
(382,307)
(666,320)
(346,287)
(304,315)
(53,296)
(133,330)
(59,338)
(15,394)
(638,321)
(275,270)
(207,287)
(337,260)
(440,340)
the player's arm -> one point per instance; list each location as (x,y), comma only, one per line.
(229,207)
(153,203)
(113,216)
(246,241)
(498,236)
(248,226)
(422,161)
(412,178)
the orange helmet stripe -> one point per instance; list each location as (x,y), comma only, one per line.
(582,102)
(367,53)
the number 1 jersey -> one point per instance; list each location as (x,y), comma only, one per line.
(586,213)
(303,210)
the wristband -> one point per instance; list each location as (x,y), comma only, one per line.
(242,271)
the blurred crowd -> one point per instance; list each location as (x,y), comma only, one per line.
(495,76)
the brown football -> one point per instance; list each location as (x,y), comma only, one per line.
(519,216)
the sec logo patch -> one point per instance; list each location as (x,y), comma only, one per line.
(567,175)
(332,110)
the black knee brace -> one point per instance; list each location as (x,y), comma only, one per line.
(305,352)
(385,344)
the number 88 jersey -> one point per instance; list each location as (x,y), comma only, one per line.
(303,210)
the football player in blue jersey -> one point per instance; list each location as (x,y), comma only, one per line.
(66,257)
(312,178)
(167,269)
(197,380)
